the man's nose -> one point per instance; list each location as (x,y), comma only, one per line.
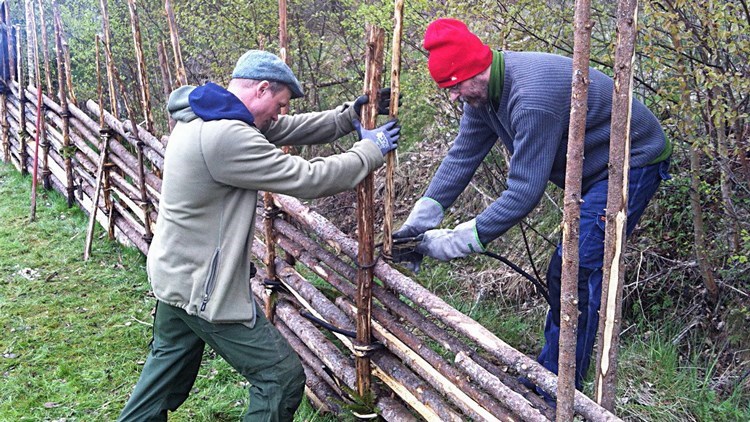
(454,95)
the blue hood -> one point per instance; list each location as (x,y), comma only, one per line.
(212,102)
(209,102)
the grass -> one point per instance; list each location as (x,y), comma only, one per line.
(75,334)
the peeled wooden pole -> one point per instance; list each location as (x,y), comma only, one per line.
(63,97)
(103,146)
(34,66)
(613,272)
(178,64)
(390,158)
(23,134)
(365,212)
(5,20)
(572,213)
(45,48)
(140,62)
(269,208)
(110,66)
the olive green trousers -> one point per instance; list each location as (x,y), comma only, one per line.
(260,354)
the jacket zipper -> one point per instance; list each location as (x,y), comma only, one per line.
(210,279)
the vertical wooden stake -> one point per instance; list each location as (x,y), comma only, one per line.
(33,50)
(45,48)
(23,134)
(365,214)
(572,213)
(390,158)
(144,202)
(605,385)
(103,147)
(141,65)
(270,209)
(5,20)
(110,66)
(62,94)
(178,64)
(166,78)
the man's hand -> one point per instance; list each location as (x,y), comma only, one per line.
(426,214)
(385,136)
(447,244)
(384,102)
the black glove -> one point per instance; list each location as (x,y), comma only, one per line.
(384,102)
(385,136)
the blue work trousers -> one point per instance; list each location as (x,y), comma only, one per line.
(643,184)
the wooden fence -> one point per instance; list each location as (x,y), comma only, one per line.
(431,361)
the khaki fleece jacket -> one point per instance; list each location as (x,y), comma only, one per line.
(199,259)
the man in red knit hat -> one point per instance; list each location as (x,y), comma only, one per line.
(523,100)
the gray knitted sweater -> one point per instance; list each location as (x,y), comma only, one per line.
(531,119)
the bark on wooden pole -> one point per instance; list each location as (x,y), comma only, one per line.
(140,62)
(390,157)
(110,66)
(23,134)
(270,211)
(103,146)
(5,20)
(365,212)
(45,47)
(174,36)
(166,78)
(572,213)
(63,96)
(605,384)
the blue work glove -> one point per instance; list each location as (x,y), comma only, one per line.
(426,214)
(385,136)
(447,244)
(384,102)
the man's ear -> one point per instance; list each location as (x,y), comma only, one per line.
(261,88)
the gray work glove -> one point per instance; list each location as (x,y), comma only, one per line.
(426,214)
(384,102)
(447,244)
(385,136)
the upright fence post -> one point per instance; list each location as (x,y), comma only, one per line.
(572,213)
(270,211)
(178,64)
(65,114)
(45,48)
(390,158)
(605,385)
(7,77)
(140,62)
(23,133)
(365,214)
(101,176)
(110,66)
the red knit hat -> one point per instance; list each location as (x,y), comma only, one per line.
(456,54)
